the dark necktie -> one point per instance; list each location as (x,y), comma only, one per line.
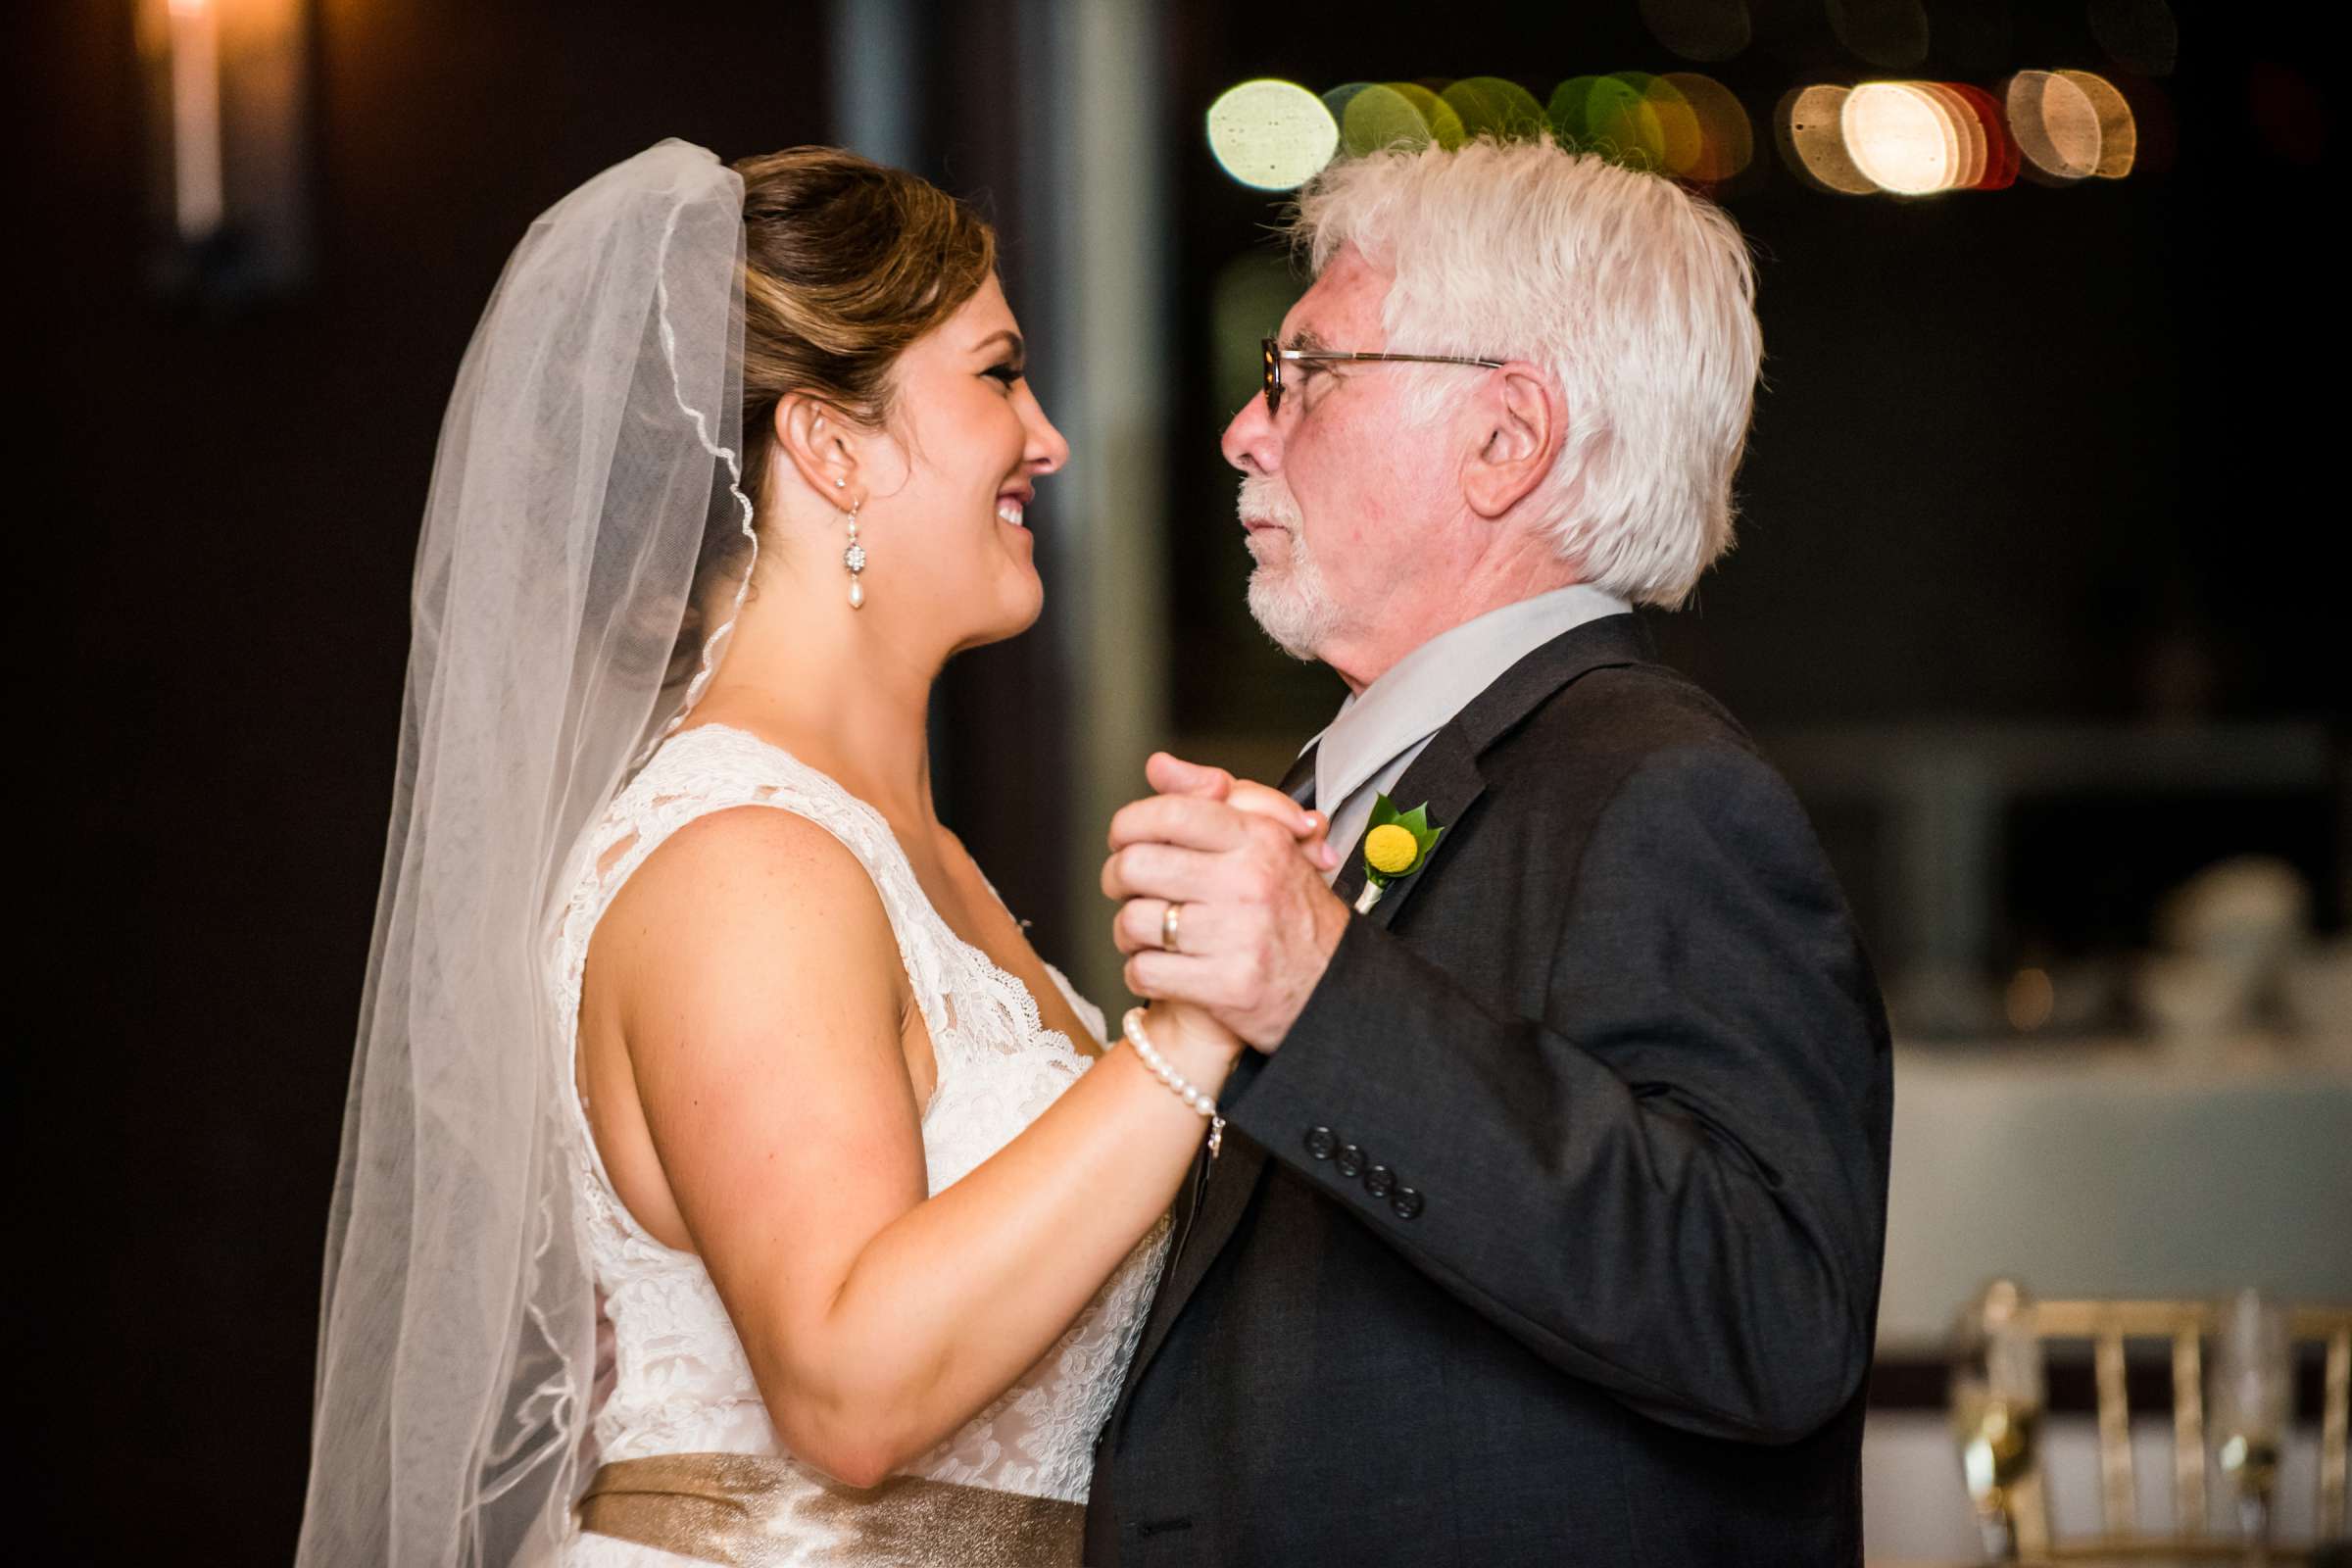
(1300,782)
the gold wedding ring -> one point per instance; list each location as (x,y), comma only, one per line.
(1168,923)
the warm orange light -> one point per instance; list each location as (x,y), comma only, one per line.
(2119,134)
(1681,140)
(199,195)
(1991,132)
(1727,141)
(1968,136)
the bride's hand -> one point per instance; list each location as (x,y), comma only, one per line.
(1172,776)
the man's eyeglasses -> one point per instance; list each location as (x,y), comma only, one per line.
(1276,353)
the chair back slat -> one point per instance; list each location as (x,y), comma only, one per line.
(2118,1497)
(2338,1393)
(2188,1432)
(2030,1515)
(2108,1325)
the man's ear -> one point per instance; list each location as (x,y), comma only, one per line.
(822,446)
(1519,427)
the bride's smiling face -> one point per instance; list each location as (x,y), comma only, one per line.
(948,487)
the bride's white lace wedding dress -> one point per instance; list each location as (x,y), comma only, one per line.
(678,1382)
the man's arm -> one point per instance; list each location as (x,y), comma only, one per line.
(1678,1193)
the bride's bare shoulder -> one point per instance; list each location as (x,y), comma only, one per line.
(749,886)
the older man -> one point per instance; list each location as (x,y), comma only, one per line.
(1546,1224)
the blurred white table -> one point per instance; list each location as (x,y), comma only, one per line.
(2125,1170)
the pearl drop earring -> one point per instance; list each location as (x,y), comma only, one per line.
(854,557)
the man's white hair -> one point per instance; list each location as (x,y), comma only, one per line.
(1637,296)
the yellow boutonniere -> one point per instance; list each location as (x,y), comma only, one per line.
(1395,846)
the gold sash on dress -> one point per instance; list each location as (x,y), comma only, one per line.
(756,1512)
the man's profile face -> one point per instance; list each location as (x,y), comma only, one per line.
(1335,484)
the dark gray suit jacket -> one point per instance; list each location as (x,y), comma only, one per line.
(1552,1233)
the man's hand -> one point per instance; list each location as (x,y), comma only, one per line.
(1257,925)
(1173,775)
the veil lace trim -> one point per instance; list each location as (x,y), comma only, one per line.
(714,647)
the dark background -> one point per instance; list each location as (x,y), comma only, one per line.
(2037,454)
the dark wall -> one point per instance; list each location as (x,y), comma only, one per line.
(218,575)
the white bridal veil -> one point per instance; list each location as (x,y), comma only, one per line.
(591,441)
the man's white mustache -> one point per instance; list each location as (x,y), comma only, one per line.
(1264,500)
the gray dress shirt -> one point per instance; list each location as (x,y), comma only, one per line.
(1378,732)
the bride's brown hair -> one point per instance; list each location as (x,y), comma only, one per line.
(847,262)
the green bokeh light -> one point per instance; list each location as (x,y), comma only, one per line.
(1381,116)
(1490,106)
(1439,115)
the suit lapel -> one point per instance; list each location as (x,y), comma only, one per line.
(1444,775)
(1447,775)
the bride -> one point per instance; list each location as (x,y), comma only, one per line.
(724,1177)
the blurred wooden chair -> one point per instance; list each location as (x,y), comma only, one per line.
(2184,1326)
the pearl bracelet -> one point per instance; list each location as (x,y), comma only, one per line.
(1184,1088)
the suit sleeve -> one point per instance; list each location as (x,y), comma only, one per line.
(1673,1185)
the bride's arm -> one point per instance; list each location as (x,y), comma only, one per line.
(759,990)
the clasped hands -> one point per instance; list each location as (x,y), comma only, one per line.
(1244,865)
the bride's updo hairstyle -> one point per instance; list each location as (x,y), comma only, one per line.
(846,264)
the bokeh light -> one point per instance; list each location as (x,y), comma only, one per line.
(1271,134)
(1611,116)
(2119,134)
(1624,120)
(1679,138)
(1891,138)
(1444,125)
(2000,150)
(2029,1000)
(1968,135)
(1337,100)
(1373,116)
(1901,138)
(1809,125)
(1917,138)
(1569,110)
(2056,127)
(1727,141)
(1489,106)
